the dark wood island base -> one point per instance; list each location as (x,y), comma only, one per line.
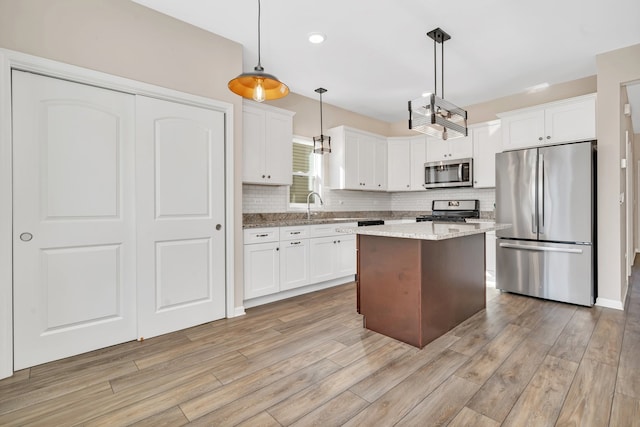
(416,290)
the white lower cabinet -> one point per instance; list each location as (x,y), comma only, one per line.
(323,258)
(261,269)
(286,258)
(346,255)
(294,264)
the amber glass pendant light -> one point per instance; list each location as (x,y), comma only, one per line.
(258,85)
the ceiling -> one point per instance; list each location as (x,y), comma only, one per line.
(377,56)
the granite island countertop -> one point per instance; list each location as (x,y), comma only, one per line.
(285,219)
(429,230)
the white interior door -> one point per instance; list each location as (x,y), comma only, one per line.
(74,247)
(180,215)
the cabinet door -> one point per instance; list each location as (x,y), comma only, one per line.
(573,121)
(294,264)
(278,151)
(253,138)
(261,269)
(461,148)
(418,158)
(487,141)
(322,255)
(437,150)
(523,130)
(399,164)
(366,162)
(380,165)
(346,255)
(352,179)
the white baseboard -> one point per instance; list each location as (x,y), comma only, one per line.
(254,302)
(238,311)
(609,303)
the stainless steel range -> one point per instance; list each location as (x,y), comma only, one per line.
(452,211)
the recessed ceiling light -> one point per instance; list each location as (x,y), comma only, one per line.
(316,38)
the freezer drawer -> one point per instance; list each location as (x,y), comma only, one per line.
(559,272)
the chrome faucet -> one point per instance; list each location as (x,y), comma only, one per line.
(309,206)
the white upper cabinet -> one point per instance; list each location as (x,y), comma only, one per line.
(405,159)
(569,120)
(458,148)
(358,160)
(487,141)
(267,144)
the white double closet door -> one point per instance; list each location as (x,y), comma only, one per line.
(118,217)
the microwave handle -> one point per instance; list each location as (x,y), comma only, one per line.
(460,172)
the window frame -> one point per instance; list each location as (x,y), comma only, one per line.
(316,176)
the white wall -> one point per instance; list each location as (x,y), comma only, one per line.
(615,68)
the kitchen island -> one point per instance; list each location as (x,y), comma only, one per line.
(417,281)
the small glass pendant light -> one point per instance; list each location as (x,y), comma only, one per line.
(322,143)
(258,85)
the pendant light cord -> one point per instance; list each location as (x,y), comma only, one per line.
(259,61)
(435,69)
(321,135)
(442,70)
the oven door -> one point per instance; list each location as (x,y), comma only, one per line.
(448,173)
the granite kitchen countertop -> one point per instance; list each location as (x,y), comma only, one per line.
(286,219)
(429,230)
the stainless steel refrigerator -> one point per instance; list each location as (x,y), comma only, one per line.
(547,194)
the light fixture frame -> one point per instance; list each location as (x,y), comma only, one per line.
(322,143)
(258,85)
(431,114)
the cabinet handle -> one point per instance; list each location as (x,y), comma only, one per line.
(338,241)
(334,242)
(263,176)
(407,185)
(262,235)
(295,232)
(540,139)
(269,176)
(296,243)
(277,249)
(548,137)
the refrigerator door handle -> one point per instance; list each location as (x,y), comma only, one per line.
(534,201)
(541,193)
(540,248)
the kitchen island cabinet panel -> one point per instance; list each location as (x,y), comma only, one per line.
(416,290)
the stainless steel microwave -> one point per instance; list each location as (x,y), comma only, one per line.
(448,173)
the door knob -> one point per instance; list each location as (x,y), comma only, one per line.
(25,237)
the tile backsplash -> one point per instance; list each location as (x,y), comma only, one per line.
(271,199)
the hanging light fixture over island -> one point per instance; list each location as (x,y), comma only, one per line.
(258,85)
(322,143)
(431,114)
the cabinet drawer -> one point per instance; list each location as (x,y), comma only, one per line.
(294,232)
(261,235)
(323,230)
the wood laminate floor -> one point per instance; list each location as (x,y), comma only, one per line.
(308,361)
